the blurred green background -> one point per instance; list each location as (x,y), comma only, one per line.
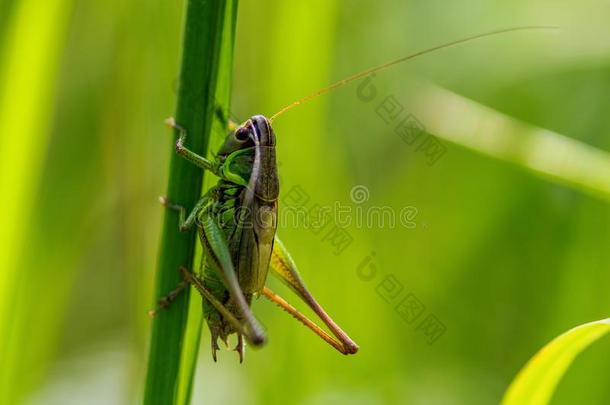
(504,258)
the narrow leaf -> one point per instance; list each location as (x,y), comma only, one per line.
(536,382)
(477,127)
(174,346)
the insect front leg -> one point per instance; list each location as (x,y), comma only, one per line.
(188,154)
(285,269)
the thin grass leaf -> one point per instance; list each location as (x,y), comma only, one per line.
(549,154)
(219,128)
(169,373)
(536,382)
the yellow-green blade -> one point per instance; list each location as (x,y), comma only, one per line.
(536,382)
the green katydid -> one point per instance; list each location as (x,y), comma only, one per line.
(237,221)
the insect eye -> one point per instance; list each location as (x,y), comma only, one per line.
(242,134)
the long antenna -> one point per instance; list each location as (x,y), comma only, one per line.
(400,60)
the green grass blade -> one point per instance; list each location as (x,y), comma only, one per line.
(203,40)
(480,128)
(223,95)
(536,382)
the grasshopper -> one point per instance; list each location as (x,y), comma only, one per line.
(237,222)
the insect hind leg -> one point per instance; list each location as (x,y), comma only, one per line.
(238,326)
(165,301)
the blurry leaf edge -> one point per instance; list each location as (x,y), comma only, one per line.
(536,381)
(480,128)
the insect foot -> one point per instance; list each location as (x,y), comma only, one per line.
(165,301)
(240,348)
(171,122)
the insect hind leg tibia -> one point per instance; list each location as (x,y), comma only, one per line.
(285,269)
(279,301)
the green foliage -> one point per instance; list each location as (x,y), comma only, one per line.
(509,244)
(208,28)
(537,381)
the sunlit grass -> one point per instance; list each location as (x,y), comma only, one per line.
(33,46)
(480,128)
(537,381)
(511,236)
